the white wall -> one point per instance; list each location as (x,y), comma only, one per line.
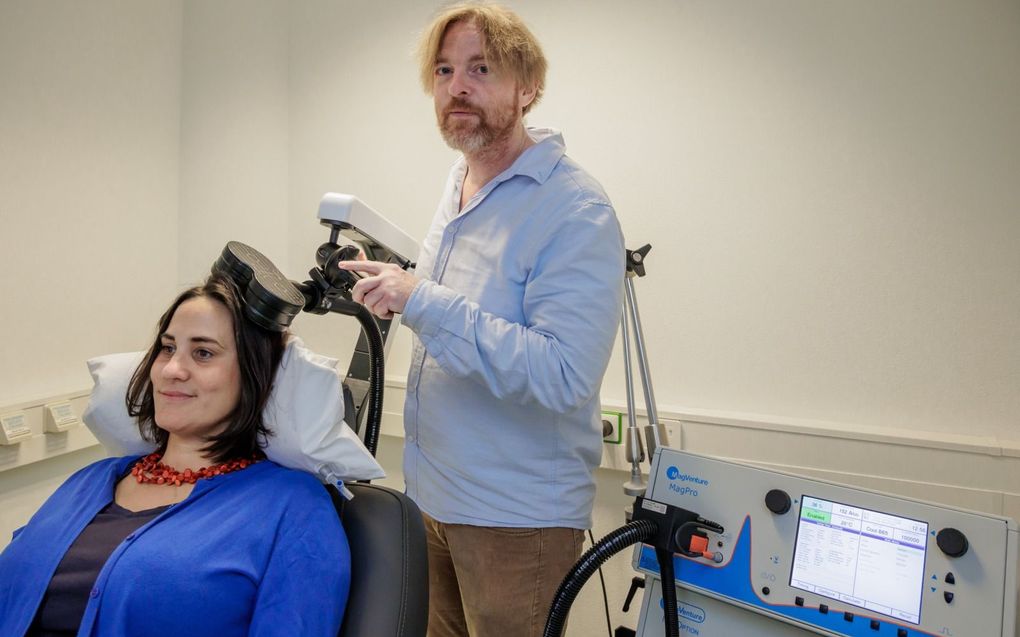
(89,148)
(234,131)
(828,190)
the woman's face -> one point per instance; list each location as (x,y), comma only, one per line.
(196,379)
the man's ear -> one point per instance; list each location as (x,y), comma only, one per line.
(527,95)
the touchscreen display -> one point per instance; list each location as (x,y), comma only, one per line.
(866,558)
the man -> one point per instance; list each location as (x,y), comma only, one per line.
(515,306)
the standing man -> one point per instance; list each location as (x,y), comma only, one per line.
(515,306)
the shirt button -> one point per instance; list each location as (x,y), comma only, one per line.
(410,438)
(450,230)
(94,592)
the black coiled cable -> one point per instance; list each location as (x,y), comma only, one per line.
(627,535)
(375,374)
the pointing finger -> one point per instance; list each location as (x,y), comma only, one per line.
(370,267)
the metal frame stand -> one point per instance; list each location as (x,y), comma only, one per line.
(655,433)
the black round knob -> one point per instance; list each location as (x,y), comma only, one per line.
(777,501)
(322,252)
(952,542)
(343,279)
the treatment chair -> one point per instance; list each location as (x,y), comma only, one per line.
(389,594)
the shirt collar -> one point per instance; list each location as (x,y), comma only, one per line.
(536,162)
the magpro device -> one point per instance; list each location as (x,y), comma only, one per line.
(803,557)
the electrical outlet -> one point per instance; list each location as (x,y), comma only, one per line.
(612,427)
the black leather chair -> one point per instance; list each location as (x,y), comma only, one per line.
(389,563)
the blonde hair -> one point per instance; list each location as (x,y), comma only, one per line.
(509,45)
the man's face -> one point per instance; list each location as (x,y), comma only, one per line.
(476,104)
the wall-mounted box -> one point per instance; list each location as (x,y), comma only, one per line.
(14,428)
(59,417)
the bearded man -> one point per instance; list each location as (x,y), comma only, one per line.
(514,304)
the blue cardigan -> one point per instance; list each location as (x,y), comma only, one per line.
(255,552)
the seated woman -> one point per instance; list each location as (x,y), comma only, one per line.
(205,537)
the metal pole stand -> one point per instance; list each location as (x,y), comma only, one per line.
(655,433)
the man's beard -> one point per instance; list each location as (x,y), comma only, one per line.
(470,136)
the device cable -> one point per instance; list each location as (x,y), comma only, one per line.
(665,558)
(605,595)
(627,535)
(376,356)
(665,528)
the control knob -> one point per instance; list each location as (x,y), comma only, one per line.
(952,542)
(777,501)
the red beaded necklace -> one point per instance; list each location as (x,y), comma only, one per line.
(149,470)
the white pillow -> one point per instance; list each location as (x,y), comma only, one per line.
(305,412)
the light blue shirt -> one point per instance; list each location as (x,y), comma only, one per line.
(514,323)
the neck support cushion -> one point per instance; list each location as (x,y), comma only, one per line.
(305,413)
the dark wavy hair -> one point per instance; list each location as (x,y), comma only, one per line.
(258,354)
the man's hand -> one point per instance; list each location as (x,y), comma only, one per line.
(386,288)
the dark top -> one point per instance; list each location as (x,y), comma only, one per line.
(64,604)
